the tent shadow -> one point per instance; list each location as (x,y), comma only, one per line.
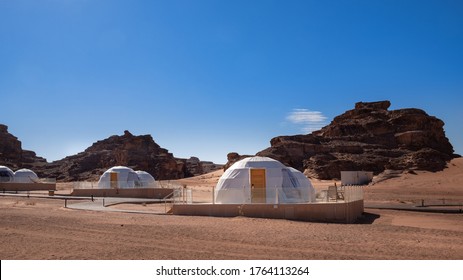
(367,218)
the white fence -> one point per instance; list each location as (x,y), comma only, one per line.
(340,194)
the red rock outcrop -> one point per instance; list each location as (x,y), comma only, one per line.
(195,167)
(369,137)
(12,154)
(232,158)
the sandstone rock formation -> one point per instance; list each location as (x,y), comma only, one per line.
(195,167)
(137,152)
(209,166)
(369,137)
(12,154)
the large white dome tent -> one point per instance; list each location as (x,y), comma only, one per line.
(25,176)
(119,177)
(6,174)
(263,180)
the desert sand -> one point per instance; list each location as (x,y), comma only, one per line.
(35,228)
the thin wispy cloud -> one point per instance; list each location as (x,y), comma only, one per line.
(308,120)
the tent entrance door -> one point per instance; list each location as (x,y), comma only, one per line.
(258,184)
(113,179)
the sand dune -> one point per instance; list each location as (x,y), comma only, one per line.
(411,188)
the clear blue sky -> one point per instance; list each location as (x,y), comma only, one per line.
(205,78)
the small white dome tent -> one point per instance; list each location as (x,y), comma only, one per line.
(25,176)
(6,174)
(263,180)
(146,180)
(119,177)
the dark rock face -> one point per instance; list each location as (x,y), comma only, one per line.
(12,154)
(369,137)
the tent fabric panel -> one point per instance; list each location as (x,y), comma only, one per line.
(25,176)
(146,180)
(237,178)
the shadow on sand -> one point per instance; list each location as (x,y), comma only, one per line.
(367,218)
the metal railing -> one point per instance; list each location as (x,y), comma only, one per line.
(116,184)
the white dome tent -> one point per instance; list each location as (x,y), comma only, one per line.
(6,174)
(25,176)
(263,180)
(146,179)
(119,177)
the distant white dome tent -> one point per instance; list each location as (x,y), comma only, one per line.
(263,180)
(146,179)
(119,177)
(6,174)
(25,176)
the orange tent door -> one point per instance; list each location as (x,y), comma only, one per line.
(113,180)
(258,192)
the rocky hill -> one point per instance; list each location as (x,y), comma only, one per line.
(370,137)
(137,152)
(12,154)
(196,167)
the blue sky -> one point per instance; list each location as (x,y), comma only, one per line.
(205,78)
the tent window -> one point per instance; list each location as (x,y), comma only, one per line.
(290,185)
(5,176)
(289,181)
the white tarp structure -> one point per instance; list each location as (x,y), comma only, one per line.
(6,174)
(349,178)
(25,176)
(263,180)
(146,179)
(121,177)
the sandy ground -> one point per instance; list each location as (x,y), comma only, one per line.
(32,228)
